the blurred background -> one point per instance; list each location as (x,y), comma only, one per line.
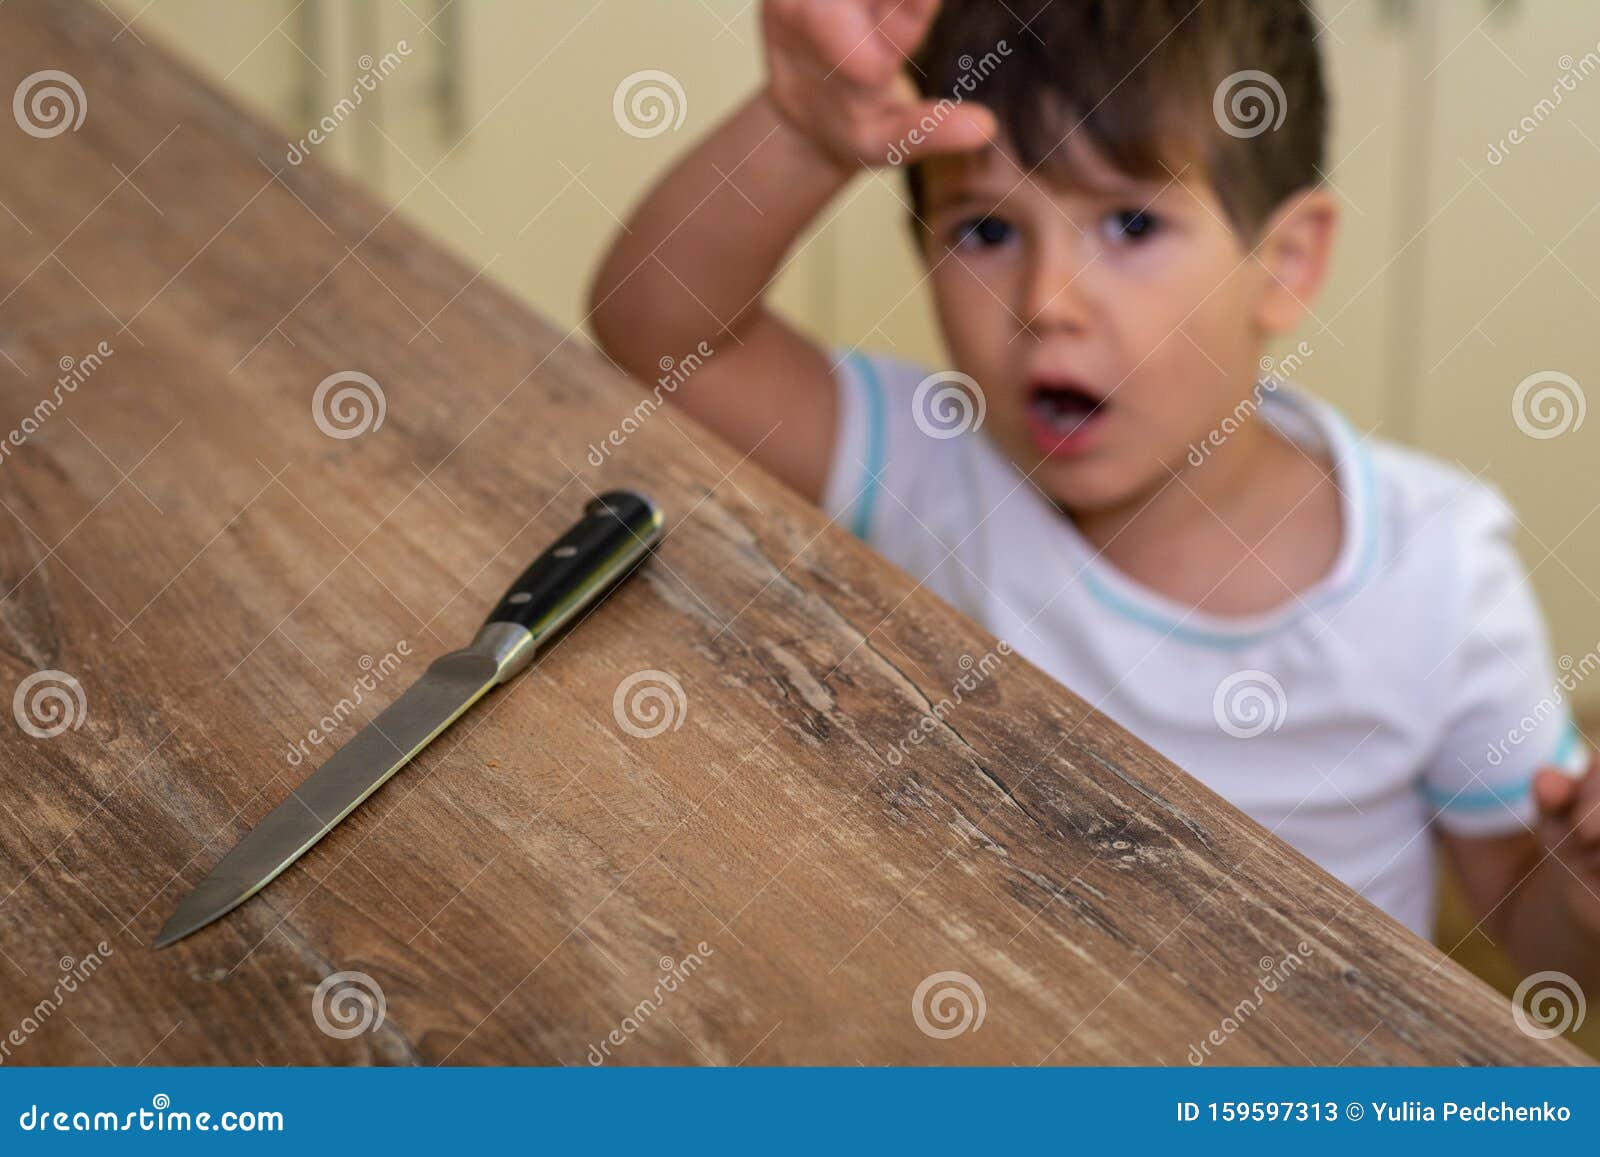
(1461,316)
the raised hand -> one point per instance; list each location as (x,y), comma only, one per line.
(836,72)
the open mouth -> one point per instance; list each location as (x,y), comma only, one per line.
(1060,414)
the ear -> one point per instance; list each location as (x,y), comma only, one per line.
(1295,248)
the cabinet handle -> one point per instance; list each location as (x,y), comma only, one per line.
(311,28)
(1394,14)
(451,97)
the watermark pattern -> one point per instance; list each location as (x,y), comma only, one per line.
(49,703)
(1250,703)
(73,973)
(1548,404)
(674,372)
(947,1004)
(48,103)
(373,72)
(376,671)
(648,103)
(1274,373)
(1548,1004)
(347,1004)
(974,672)
(1248,103)
(1573,674)
(74,372)
(673,975)
(348,404)
(973,73)
(648,703)
(1573,72)
(948,404)
(1273,975)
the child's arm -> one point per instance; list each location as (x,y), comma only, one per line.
(1538,894)
(694,262)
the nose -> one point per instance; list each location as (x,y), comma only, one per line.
(1055,291)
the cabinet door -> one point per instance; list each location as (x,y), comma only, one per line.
(1511,288)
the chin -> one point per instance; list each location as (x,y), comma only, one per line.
(1088,486)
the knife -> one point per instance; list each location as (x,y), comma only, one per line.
(617,531)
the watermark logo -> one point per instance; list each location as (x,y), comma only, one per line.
(375,671)
(1275,973)
(674,973)
(674,372)
(373,72)
(1249,103)
(49,703)
(347,1004)
(974,673)
(947,1004)
(1573,73)
(155,1119)
(348,404)
(48,103)
(1250,703)
(648,103)
(1548,1004)
(648,703)
(74,972)
(1274,373)
(1549,708)
(973,73)
(1548,404)
(948,404)
(74,372)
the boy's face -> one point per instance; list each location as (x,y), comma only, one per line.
(1111,326)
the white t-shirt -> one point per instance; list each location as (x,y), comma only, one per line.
(1411,685)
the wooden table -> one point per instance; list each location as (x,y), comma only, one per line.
(182,537)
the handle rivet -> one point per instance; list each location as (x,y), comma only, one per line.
(520,597)
(564,551)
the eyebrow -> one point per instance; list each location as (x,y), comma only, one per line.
(959,190)
(938,201)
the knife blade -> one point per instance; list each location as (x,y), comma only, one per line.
(617,531)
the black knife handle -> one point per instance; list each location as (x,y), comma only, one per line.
(617,531)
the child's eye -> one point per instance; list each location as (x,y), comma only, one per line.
(1130,225)
(983,232)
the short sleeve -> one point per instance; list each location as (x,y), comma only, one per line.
(850,493)
(881,457)
(1506,714)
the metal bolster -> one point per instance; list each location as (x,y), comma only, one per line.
(509,645)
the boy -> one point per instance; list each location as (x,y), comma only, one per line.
(1118,206)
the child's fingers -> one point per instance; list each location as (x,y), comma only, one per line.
(843,38)
(927,130)
(1570,815)
(1553,791)
(904,23)
(1584,813)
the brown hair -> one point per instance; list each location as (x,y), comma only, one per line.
(1233,87)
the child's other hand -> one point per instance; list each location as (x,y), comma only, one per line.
(1569,827)
(835,72)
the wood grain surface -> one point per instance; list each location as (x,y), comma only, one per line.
(761,882)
